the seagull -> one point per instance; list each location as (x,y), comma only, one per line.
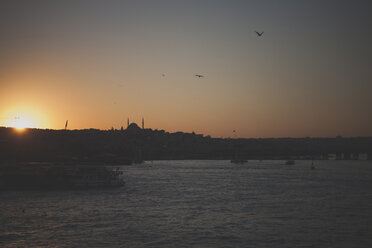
(199,76)
(258,33)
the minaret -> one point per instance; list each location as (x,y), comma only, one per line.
(128,122)
(143,123)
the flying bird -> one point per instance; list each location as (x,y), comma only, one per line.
(258,33)
(199,76)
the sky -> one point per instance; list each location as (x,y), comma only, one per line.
(97,63)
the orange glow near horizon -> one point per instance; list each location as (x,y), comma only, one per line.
(21,122)
(22,118)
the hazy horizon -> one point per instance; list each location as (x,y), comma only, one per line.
(96,63)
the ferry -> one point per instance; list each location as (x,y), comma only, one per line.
(58,176)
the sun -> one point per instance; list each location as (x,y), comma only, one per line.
(21,124)
(21,120)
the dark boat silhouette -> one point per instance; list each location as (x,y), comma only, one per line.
(238,161)
(58,176)
(312,167)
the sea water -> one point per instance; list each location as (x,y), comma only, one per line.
(201,204)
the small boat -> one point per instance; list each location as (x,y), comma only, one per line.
(96,177)
(58,176)
(290,162)
(238,161)
(312,167)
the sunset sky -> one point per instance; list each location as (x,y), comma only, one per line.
(96,63)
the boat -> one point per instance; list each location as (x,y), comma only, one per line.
(238,161)
(58,176)
(96,176)
(290,162)
(312,167)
